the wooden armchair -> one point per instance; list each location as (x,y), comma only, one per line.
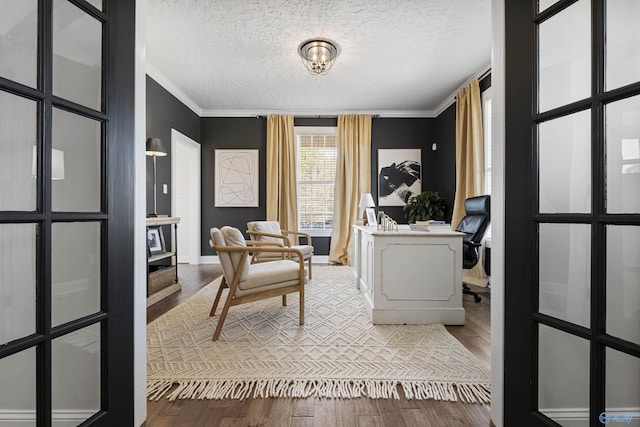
(269,231)
(252,282)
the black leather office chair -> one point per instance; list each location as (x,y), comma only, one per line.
(473,225)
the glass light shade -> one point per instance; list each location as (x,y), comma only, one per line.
(318,55)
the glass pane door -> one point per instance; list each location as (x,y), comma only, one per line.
(59,308)
(572,213)
(586,255)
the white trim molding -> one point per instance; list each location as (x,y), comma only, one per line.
(452,98)
(59,417)
(566,416)
(163,81)
(321,113)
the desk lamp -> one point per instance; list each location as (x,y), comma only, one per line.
(366,201)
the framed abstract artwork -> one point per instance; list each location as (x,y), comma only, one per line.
(399,175)
(236,178)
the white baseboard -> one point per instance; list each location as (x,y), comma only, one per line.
(213,259)
(61,417)
(209,259)
(567,416)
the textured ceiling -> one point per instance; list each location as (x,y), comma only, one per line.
(230,57)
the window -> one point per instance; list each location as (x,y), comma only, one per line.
(486,126)
(316,153)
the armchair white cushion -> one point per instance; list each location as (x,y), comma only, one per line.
(270,232)
(252,282)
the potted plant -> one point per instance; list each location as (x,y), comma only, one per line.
(425,206)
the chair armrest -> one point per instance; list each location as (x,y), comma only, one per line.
(264,243)
(260,248)
(470,243)
(258,234)
(283,250)
(300,234)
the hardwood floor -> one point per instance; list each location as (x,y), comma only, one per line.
(475,335)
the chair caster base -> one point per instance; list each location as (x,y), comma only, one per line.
(466,290)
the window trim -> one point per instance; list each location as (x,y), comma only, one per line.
(313,130)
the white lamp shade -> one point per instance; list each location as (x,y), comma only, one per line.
(366,201)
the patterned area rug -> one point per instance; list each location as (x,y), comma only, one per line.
(338,353)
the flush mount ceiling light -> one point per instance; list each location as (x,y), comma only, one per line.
(318,55)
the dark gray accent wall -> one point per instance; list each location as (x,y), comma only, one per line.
(403,133)
(442,162)
(225,133)
(164,112)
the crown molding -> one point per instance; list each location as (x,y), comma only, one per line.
(163,81)
(156,75)
(320,113)
(452,98)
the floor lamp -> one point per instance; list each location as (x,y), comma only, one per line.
(155,148)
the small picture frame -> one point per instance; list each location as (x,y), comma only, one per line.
(371,217)
(155,241)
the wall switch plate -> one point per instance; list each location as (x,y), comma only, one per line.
(164,189)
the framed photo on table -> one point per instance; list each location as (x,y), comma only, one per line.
(155,241)
(371,216)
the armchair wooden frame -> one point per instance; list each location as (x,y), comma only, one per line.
(232,299)
(256,235)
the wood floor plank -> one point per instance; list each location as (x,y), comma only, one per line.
(481,414)
(301,422)
(475,335)
(370,421)
(366,406)
(390,413)
(324,414)
(164,421)
(280,415)
(303,407)
(347,411)
(418,418)
(257,411)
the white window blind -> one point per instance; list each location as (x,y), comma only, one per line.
(486,123)
(316,163)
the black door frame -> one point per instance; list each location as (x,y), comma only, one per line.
(522,218)
(116,215)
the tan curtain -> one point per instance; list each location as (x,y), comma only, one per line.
(353,178)
(469,162)
(282,196)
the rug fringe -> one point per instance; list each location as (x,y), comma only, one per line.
(328,388)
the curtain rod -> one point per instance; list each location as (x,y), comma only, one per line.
(295,116)
(485,74)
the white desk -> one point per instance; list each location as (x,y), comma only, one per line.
(409,276)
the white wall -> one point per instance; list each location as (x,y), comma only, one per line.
(140,247)
(497,213)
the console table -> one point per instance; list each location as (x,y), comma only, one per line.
(164,281)
(407,276)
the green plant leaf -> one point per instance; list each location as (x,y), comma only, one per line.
(425,206)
